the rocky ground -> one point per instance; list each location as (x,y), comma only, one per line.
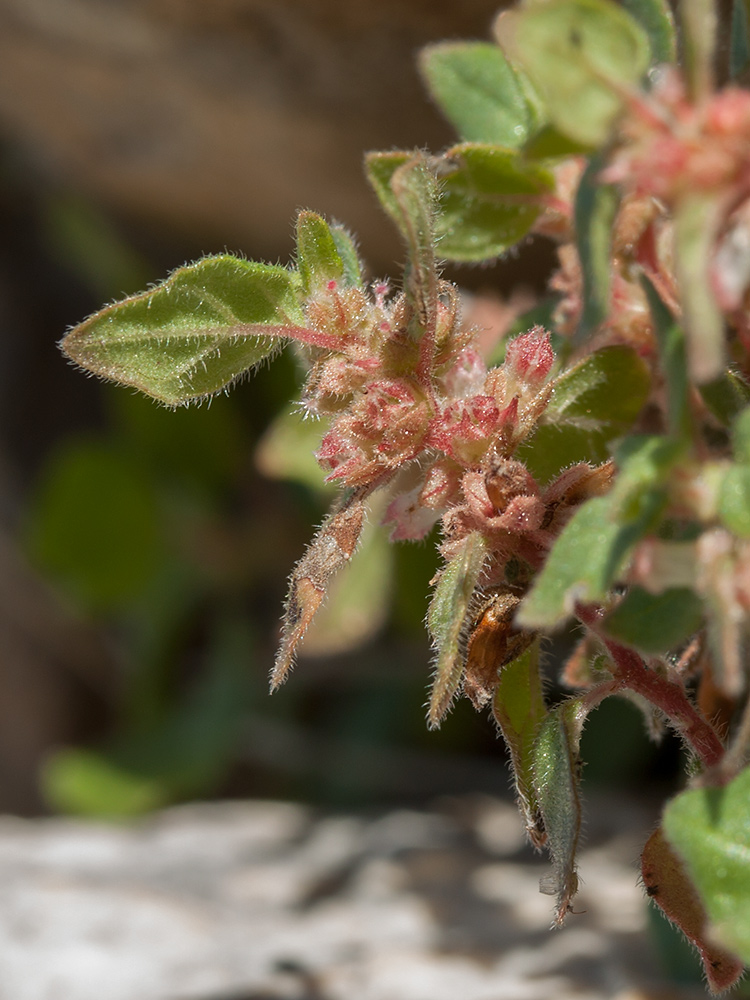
(271,901)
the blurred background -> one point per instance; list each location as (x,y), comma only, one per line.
(144,553)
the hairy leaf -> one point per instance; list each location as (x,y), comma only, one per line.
(567,578)
(195,333)
(655,623)
(318,258)
(347,251)
(609,386)
(580,55)
(330,550)
(479,92)
(556,445)
(591,403)
(668,885)
(519,710)
(606,529)
(415,191)
(447,620)
(358,601)
(407,188)
(490,199)
(710,830)
(555,769)
(380,168)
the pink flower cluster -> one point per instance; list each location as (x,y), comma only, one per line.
(672,147)
(444,438)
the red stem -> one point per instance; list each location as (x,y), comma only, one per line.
(666,695)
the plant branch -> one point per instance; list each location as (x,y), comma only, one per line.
(666,695)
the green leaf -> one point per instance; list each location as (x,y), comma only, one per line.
(490,199)
(593,548)
(380,168)
(741,436)
(587,558)
(669,887)
(407,188)
(318,259)
(673,356)
(710,829)
(415,189)
(550,143)
(592,403)
(655,623)
(195,333)
(734,492)
(739,42)
(519,710)
(347,250)
(447,621)
(479,92)
(696,220)
(580,55)
(556,767)
(734,500)
(657,20)
(287,451)
(94,526)
(595,210)
(608,387)
(726,396)
(645,461)
(358,601)
(555,446)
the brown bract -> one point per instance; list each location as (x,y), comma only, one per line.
(494,641)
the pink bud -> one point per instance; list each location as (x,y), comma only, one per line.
(530,357)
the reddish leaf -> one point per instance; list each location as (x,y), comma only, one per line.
(668,885)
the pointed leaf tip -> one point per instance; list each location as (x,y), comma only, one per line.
(195,333)
(318,258)
(329,551)
(447,620)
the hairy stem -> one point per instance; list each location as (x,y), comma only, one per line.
(666,695)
